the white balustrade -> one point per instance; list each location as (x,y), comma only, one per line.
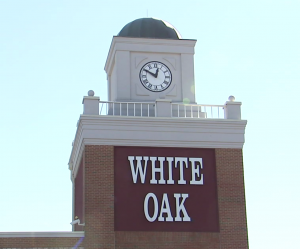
(136,109)
(160,108)
(179,110)
(147,109)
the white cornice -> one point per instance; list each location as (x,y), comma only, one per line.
(41,234)
(147,45)
(154,131)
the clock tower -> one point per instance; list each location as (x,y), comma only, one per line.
(150,167)
(148,60)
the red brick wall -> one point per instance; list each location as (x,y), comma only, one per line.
(231,198)
(79,196)
(99,200)
(99,208)
(99,211)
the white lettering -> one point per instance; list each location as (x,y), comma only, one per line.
(159,170)
(146,211)
(181,161)
(139,169)
(180,207)
(196,171)
(170,164)
(165,208)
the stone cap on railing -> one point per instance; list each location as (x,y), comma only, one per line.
(161,108)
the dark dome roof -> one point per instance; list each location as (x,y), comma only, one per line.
(149,28)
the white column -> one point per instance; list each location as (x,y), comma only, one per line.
(232,109)
(91,104)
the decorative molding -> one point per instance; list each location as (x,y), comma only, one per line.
(147,45)
(41,234)
(156,131)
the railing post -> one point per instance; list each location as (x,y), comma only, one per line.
(232,109)
(163,107)
(91,104)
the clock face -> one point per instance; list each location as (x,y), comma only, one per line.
(155,76)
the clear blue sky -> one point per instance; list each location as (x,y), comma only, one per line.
(53,52)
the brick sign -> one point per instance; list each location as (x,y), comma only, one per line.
(165,189)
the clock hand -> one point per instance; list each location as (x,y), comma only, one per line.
(150,73)
(156,73)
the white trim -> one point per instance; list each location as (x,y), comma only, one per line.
(147,45)
(232,103)
(155,131)
(42,234)
(163,100)
(188,144)
(90,98)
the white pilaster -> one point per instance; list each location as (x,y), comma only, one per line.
(188,80)
(233,109)
(90,104)
(163,107)
(122,62)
